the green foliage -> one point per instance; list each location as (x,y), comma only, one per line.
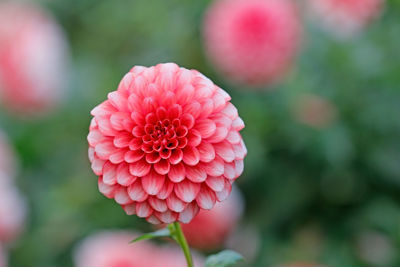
(224,258)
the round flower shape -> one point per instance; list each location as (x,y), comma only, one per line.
(119,253)
(252,41)
(12,210)
(33,59)
(166,144)
(345,17)
(210,229)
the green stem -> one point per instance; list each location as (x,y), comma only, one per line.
(180,238)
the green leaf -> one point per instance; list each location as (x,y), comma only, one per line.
(223,259)
(157,234)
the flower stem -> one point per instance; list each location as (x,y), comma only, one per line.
(180,238)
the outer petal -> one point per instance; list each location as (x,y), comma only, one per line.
(153,182)
(186,190)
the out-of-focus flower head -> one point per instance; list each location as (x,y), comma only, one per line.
(112,249)
(33,58)
(345,17)
(315,111)
(12,210)
(210,229)
(7,157)
(252,41)
(166,144)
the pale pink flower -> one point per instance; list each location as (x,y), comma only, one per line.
(315,111)
(3,258)
(112,249)
(345,17)
(33,55)
(252,41)
(210,229)
(12,210)
(166,144)
(7,157)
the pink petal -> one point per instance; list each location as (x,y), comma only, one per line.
(239,166)
(240,150)
(207,152)
(118,156)
(117,120)
(238,124)
(222,195)
(225,151)
(196,174)
(166,190)
(153,182)
(175,204)
(174,112)
(138,118)
(133,156)
(143,209)
(167,216)
(124,177)
(105,149)
(194,138)
(186,190)
(153,219)
(219,100)
(188,213)
(136,192)
(187,120)
(118,100)
(122,140)
(157,204)
(122,197)
(216,183)
(220,134)
(130,209)
(233,137)
(106,128)
(177,173)
(193,109)
(207,107)
(206,127)
(162,167)
(105,189)
(104,109)
(97,165)
(230,171)
(230,111)
(185,95)
(191,155)
(215,167)
(206,198)
(109,173)
(153,157)
(176,156)
(139,168)
(95,137)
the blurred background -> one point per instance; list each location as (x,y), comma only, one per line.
(322,177)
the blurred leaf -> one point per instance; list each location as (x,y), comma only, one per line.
(224,259)
(157,234)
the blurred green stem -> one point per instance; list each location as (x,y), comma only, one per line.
(180,238)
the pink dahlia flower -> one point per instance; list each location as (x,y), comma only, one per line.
(7,158)
(345,17)
(211,228)
(32,58)
(112,249)
(252,41)
(12,210)
(166,144)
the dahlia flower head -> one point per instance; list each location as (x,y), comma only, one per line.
(12,210)
(33,59)
(210,229)
(345,17)
(252,41)
(166,144)
(120,253)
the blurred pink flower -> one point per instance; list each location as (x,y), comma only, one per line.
(345,17)
(112,249)
(211,228)
(315,111)
(7,157)
(12,210)
(166,144)
(33,56)
(252,41)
